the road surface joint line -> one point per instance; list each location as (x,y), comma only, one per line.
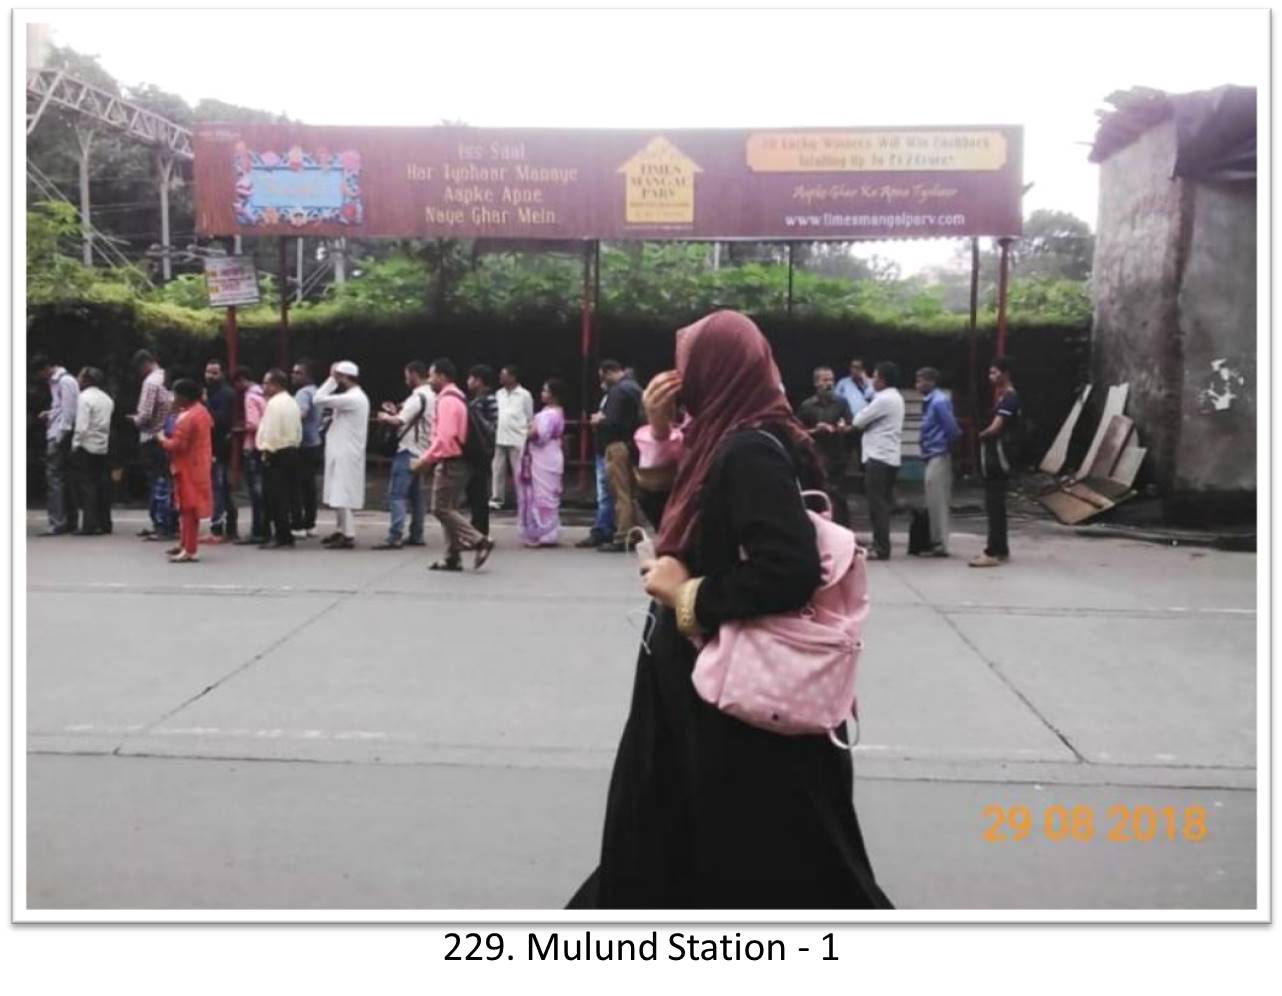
(275,645)
(962,778)
(291,591)
(997,671)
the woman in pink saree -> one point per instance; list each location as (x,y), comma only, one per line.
(538,493)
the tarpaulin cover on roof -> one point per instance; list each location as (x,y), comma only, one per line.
(1215,130)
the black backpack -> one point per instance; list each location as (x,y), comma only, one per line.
(478,448)
(387,440)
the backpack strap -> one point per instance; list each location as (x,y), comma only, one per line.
(413,425)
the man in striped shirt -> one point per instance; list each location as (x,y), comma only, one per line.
(154,404)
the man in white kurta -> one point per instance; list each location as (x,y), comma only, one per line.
(344,449)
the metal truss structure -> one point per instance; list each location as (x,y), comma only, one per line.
(54,86)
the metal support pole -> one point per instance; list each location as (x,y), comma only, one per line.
(298,293)
(164,170)
(238,246)
(231,333)
(596,299)
(1002,282)
(585,359)
(340,260)
(282,339)
(790,247)
(84,136)
(973,366)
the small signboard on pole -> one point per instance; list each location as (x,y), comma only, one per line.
(232,281)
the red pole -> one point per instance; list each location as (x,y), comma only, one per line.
(972,459)
(282,339)
(231,332)
(585,358)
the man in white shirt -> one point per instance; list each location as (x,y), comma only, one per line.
(516,411)
(59,421)
(412,422)
(89,442)
(882,425)
(344,450)
(279,436)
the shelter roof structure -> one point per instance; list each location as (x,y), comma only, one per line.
(1215,129)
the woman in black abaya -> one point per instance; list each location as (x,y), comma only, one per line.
(705,811)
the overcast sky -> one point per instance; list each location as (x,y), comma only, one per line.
(1046,70)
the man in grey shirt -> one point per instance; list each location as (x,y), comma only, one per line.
(313,449)
(154,403)
(59,421)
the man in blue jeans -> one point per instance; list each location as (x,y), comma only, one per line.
(154,403)
(412,422)
(603,524)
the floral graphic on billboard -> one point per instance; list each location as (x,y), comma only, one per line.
(297,188)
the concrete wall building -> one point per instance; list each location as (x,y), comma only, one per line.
(1174,287)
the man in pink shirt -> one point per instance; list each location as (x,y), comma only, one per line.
(253,404)
(447,456)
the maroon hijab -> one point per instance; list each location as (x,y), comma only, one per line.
(729,381)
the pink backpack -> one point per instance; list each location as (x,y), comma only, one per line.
(794,673)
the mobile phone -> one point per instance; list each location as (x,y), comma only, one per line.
(644,546)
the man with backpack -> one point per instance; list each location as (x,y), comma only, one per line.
(457,446)
(412,425)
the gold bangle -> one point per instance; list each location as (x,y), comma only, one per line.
(687,594)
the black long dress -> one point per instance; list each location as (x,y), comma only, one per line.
(705,811)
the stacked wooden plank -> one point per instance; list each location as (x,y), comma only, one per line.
(1107,475)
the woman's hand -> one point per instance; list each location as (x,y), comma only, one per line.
(662,577)
(660,402)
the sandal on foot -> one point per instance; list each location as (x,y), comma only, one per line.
(483,551)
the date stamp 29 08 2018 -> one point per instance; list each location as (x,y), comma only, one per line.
(1120,824)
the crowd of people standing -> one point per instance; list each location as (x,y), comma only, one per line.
(461,450)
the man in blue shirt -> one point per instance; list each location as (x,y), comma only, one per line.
(938,431)
(313,450)
(856,390)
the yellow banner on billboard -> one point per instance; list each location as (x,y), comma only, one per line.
(875,151)
(660,185)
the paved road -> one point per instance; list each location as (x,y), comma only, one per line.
(347,730)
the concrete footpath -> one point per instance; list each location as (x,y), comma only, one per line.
(346,730)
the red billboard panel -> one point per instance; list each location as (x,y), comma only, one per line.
(816,183)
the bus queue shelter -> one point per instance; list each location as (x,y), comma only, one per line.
(581,187)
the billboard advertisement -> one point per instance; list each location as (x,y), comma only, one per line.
(457,182)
